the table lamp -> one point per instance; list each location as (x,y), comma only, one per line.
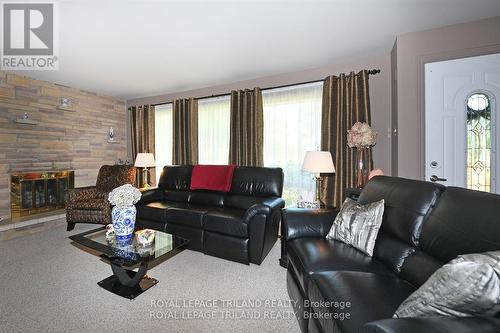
(318,162)
(145,160)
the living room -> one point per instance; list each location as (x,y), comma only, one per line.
(250,166)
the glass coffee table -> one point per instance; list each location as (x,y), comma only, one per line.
(125,257)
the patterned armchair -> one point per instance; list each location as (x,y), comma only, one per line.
(90,204)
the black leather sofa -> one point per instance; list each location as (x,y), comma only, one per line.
(424,226)
(241,225)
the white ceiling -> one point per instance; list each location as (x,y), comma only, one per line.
(136,48)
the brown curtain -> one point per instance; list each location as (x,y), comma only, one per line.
(185,132)
(142,134)
(346,100)
(247,128)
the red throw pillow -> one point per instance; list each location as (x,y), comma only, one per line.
(212,177)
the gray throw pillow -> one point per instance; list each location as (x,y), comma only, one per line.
(467,286)
(358,225)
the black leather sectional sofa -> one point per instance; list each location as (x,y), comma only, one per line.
(424,226)
(241,225)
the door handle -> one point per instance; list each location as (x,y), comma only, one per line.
(435,178)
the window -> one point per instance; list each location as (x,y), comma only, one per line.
(479,159)
(163,137)
(292,126)
(213,130)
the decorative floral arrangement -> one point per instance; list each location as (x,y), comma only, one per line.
(361,135)
(124,196)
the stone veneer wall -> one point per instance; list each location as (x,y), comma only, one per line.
(73,138)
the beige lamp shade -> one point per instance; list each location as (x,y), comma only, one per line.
(318,162)
(144,160)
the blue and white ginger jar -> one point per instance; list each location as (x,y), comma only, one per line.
(123,222)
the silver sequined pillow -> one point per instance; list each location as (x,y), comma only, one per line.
(358,225)
(467,286)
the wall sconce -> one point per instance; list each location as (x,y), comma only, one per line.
(65,102)
(111,134)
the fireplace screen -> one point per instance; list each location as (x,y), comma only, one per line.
(37,192)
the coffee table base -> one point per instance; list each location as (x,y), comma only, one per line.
(113,285)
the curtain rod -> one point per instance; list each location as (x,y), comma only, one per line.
(370,72)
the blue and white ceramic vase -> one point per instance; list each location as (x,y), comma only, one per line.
(123,222)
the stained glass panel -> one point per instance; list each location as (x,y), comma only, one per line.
(479,143)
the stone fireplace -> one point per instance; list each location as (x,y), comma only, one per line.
(38,192)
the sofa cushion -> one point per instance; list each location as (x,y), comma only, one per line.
(208,198)
(463,221)
(418,267)
(257,182)
(177,196)
(194,235)
(187,214)
(241,201)
(155,210)
(408,204)
(311,255)
(176,178)
(229,221)
(371,296)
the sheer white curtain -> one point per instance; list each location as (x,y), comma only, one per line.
(213,130)
(163,137)
(292,126)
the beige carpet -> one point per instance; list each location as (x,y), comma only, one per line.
(49,285)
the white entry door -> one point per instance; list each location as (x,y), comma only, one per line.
(460,113)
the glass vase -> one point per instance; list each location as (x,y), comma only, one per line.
(361,167)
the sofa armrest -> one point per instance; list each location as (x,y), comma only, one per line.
(265,207)
(263,219)
(300,222)
(151,194)
(84,193)
(434,324)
